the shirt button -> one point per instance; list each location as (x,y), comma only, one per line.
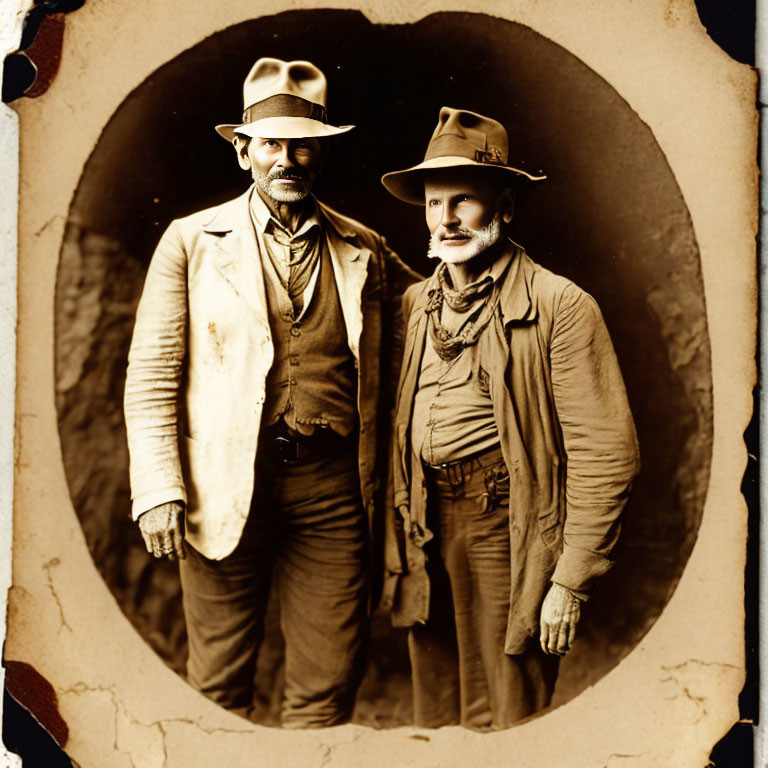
(294,360)
(295,330)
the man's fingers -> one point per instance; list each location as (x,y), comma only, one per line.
(544,637)
(166,544)
(572,630)
(554,633)
(562,639)
(157,549)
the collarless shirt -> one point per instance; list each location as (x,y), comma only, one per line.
(453,412)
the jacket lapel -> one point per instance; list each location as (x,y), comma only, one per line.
(236,252)
(350,269)
(515,300)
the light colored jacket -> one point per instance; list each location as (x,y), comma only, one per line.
(201,351)
(567,438)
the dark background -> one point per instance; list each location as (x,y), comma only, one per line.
(610,217)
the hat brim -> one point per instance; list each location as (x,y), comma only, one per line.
(408,185)
(283,128)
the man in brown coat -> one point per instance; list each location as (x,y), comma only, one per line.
(515,447)
(257,404)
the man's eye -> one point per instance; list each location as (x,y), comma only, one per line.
(433,203)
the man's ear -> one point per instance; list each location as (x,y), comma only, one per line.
(241,148)
(507,205)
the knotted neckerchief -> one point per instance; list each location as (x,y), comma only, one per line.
(484,293)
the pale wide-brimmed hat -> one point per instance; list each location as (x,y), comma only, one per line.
(284,100)
(462,138)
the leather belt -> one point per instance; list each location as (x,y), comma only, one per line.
(281,444)
(455,472)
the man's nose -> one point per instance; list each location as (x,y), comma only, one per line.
(286,157)
(449,217)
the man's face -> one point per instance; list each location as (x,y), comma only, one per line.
(463,214)
(283,169)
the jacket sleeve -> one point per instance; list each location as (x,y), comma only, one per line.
(154,376)
(599,438)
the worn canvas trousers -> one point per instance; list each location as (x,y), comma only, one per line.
(306,537)
(460,671)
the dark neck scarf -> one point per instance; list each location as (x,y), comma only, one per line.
(483,295)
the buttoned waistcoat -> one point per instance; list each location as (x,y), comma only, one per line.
(566,433)
(202,348)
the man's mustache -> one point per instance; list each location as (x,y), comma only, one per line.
(294,174)
(444,232)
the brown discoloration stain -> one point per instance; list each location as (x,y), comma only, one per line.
(45,53)
(33,692)
(216,340)
(671,16)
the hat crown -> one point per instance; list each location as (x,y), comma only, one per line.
(461,133)
(274,77)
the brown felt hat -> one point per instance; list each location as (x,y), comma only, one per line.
(461,139)
(284,100)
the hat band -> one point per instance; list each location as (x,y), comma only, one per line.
(452,145)
(285,105)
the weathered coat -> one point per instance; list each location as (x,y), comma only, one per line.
(200,355)
(567,438)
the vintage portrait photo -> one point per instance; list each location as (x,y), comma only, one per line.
(382,378)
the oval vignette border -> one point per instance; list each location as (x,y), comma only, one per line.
(576,114)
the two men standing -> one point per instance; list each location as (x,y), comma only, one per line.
(258,399)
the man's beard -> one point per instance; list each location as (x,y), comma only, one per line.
(480,241)
(282,193)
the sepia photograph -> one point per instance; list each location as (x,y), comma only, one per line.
(382,381)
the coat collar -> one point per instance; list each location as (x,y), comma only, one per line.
(237,259)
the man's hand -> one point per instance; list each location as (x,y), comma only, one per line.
(559,614)
(161,529)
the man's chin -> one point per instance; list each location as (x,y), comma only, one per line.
(455,254)
(284,193)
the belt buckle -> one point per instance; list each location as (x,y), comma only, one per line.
(454,471)
(288,450)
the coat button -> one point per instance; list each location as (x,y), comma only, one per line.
(295,330)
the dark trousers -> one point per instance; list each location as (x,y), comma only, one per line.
(460,671)
(307,531)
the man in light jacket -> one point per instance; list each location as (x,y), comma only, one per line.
(515,447)
(257,404)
